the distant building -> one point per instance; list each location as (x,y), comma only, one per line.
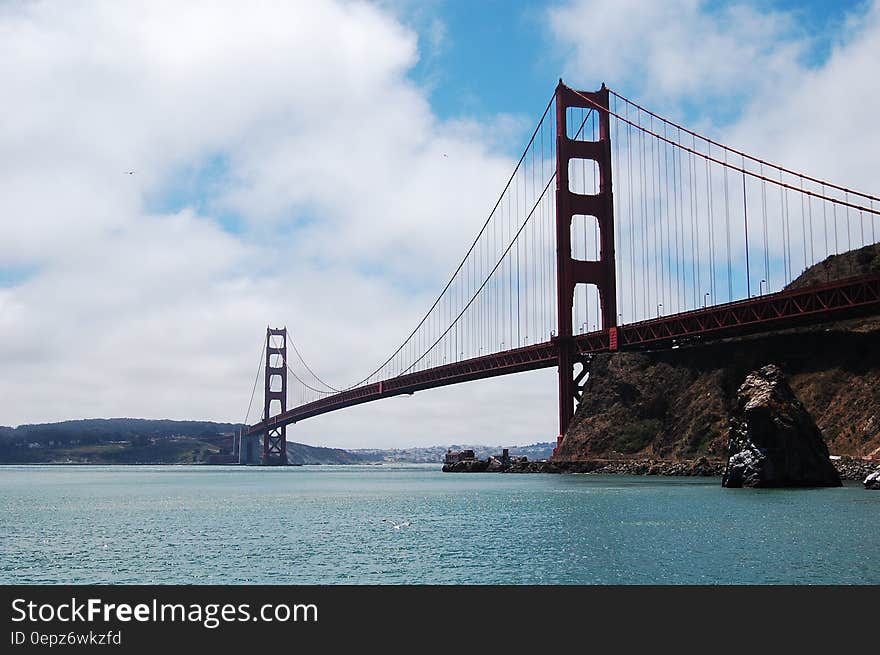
(454,456)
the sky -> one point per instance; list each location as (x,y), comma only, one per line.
(323,165)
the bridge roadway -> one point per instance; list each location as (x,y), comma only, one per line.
(815,304)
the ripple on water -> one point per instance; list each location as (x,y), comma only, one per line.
(133,525)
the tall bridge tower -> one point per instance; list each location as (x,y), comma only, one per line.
(569,271)
(275,397)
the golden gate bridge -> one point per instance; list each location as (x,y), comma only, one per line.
(618,229)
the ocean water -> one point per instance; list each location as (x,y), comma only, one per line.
(323,525)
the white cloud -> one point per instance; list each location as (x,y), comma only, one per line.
(824,120)
(332,159)
(672,51)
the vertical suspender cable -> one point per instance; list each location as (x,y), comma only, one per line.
(746,231)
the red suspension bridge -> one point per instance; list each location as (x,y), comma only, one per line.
(693,240)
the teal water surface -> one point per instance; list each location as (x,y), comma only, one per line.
(323,525)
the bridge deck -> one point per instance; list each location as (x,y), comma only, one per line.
(768,312)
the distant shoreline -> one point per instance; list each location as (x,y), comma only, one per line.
(160,442)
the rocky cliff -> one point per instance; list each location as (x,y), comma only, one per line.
(677,404)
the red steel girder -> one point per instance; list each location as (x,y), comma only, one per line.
(772,311)
(529,358)
(812,304)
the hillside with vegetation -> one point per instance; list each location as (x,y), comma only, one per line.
(116,441)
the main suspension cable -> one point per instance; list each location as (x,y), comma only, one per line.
(728,165)
(256,379)
(465,258)
(488,277)
(301,359)
(735,151)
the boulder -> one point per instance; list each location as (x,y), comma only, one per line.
(496,465)
(773,441)
(873,480)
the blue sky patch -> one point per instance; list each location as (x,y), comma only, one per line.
(198,187)
(498,56)
(14,275)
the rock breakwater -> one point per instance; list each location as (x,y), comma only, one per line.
(847,468)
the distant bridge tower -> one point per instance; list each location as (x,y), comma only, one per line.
(275,397)
(569,271)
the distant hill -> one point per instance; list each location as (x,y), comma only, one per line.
(94,430)
(299,453)
(862,261)
(163,441)
(116,441)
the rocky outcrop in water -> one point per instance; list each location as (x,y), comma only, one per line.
(773,440)
(500,465)
(873,480)
(467,466)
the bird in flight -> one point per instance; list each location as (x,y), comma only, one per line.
(128,172)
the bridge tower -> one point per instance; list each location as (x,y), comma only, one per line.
(275,437)
(569,271)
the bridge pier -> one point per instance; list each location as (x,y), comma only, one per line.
(250,448)
(569,271)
